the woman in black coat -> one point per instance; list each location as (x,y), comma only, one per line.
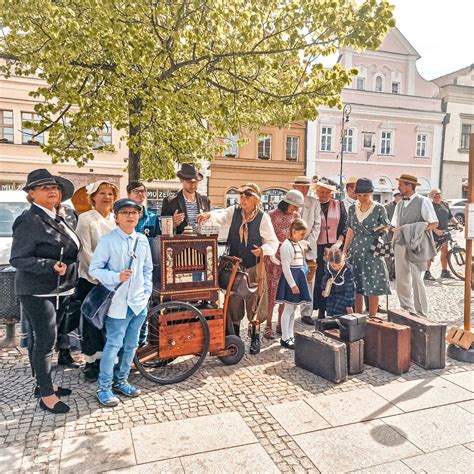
(44,252)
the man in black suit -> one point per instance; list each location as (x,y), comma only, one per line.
(44,252)
(187,203)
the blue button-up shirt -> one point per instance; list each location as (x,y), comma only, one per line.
(112,256)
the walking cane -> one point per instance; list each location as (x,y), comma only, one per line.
(59,278)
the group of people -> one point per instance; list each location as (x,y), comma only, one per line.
(312,252)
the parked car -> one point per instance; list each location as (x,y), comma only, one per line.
(458,208)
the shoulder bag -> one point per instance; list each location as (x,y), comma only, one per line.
(96,304)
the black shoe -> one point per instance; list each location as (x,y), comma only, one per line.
(428,276)
(254,341)
(66,359)
(321,314)
(91,371)
(447,274)
(307,320)
(289,344)
(60,407)
(60,392)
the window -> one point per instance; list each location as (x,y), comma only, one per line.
(28,136)
(421,140)
(105,136)
(348,141)
(326,138)
(465,132)
(232,150)
(367,140)
(264,147)
(292,148)
(360,83)
(386,143)
(395,88)
(6,126)
(378,84)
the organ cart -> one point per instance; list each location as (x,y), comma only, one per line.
(187,321)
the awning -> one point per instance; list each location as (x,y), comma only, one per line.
(425,186)
(383,184)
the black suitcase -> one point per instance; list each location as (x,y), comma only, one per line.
(322,356)
(355,352)
(322,325)
(428,339)
(352,327)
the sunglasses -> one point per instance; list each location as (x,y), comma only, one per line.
(246,194)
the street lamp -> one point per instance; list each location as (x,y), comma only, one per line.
(346,112)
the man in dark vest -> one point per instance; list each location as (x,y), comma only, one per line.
(187,203)
(414,219)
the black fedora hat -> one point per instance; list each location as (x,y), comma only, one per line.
(189,173)
(364,185)
(42,177)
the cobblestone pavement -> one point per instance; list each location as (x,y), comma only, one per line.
(248,389)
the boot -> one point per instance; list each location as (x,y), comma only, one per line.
(321,314)
(66,359)
(91,370)
(254,329)
(237,329)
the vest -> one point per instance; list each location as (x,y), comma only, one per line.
(411,213)
(238,248)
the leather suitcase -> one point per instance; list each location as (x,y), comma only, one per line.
(428,339)
(355,352)
(352,327)
(322,325)
(322,356)
(387,346)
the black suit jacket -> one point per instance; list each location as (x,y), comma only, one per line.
(174,203)
(36,247)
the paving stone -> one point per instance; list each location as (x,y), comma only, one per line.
(297,417)
(463,379)
(354,446)
(424,393)
(470,446)
(435,428)
(100,452)
(191,436)
(11,458)
(456,459)
(469,405)
(242,459)
(395,467)
(352,407)
(170,466)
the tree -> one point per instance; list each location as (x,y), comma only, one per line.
(175,75)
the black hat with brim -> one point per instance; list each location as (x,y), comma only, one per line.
(42,177)
(363,186)
(189,173)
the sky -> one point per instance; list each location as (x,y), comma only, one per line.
(441,31)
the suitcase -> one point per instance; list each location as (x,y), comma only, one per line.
(322,325)
(428,339)
(322,356)
(352,327)
(387,346)
(355,352)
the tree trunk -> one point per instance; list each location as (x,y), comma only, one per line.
(134,165)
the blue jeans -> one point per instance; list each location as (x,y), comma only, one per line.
(122,341)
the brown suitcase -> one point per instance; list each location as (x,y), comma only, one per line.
(355,352)
(387,346)
(428,339)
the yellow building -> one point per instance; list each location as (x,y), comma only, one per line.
(272,159)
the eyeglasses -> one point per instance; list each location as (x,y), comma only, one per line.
(129,213)
(246,194)
(138,191)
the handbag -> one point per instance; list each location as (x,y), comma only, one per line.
(382,249)
(96,304)
(241,286)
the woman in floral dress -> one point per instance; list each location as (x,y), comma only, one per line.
(366,219)
(281,218)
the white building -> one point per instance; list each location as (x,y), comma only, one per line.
(457,94)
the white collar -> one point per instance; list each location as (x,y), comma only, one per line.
(51,214)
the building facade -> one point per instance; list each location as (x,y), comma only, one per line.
(272,158)
(456,91)
(394,127)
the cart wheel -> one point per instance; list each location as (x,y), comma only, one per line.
(178,368)
(237,346)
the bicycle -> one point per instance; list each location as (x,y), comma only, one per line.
(456,254)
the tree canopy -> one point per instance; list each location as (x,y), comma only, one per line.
(176,75)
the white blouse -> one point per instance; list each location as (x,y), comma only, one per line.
(91,226)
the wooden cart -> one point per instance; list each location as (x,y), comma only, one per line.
(187,321)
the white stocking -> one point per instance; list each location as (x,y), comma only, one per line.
(288,321)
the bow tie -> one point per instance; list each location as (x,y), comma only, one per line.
(405,199)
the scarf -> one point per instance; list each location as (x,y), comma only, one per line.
(244,228)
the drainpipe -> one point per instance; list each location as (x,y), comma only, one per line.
(305,147)
(446,120)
